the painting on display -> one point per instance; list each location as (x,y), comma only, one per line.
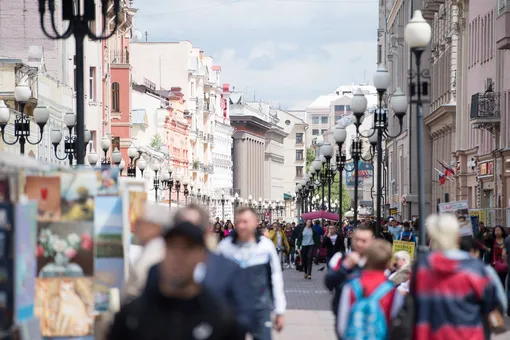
(109,273)
(461,210)
(25,266)
(136,204)
(30,329)
(46,191)
(78,190)
(65,249)
(65,306)
(108,227)
(107,181)
(6,265)
(5,192)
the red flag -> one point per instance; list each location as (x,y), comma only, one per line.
(442,179)
(449,170)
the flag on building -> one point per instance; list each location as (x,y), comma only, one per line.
(448,169)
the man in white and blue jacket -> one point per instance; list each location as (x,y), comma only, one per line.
(258,257)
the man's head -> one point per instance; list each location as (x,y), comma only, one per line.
(332,229)
(402,258)
(378,255)
(443,230)
(406,225)
(246,223)
(363,237)
(196,215)
(148,226)
(481,226)
(317,222)
(185,248)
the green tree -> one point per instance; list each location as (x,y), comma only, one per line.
(157,142)
(310,156)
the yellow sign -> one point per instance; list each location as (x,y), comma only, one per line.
(404,245)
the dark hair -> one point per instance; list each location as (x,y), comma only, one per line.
(245,209)
(180,215)
(503,231)
(407,224)
(364,227)
(469,243)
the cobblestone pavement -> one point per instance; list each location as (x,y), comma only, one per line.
(309,313)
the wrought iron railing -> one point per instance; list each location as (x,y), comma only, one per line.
(485,105)
(503,6)
(119,57)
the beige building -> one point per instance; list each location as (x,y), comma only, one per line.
(258,150)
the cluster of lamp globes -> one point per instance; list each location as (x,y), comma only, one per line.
(317,200)
(263,204)
(417,35)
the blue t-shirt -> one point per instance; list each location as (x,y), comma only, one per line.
(407,236)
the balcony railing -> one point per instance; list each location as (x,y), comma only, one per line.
(151,85)
(503,6)
(485,110)
(119,57)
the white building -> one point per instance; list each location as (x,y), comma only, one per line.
(294,167)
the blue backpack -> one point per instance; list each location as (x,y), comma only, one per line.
(367,320)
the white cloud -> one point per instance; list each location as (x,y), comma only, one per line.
(289,51)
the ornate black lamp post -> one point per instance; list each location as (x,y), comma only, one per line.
(156,183)
(134,155)
(22,94)
(105,161)
(236,200)
(223,205)
(417,34)
(69,140)
(79,15)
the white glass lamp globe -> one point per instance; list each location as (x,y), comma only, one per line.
(22,92)
(399,102)
(373,137)
(105,143)
(116,156)
(327,150)
(132,151)
(70,119)
(55,136)
(339,134)
(5,113)
(381,78)
(87,135)
(92,158)
(156,166)
(358,103)
(165,176)
(142,164)
(41,114)
(417,32)
(122,165)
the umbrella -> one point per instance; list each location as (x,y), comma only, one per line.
(320,215)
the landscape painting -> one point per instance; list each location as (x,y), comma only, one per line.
(108,227)
(65,249)
(109,274)
(65,306)
(46,191)
(78,190)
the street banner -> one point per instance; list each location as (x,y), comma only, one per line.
(404,245)
(461,210)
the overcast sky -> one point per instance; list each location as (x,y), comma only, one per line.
(283,51)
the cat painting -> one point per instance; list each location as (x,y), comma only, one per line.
(66,308)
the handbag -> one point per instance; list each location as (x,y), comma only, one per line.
(496,322)
(499,265)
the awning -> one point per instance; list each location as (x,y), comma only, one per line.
(287,197)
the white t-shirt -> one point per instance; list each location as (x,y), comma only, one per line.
(333,239)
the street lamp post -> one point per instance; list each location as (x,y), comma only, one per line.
(185,184)
(70,140)
(80,16)
(155,167)
(134,155)
(22,94)
(223,205)
(327,152)
(236,200)
(417,34)
(116,155)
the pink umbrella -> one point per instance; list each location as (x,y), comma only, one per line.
(320,215)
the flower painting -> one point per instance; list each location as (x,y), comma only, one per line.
(65,306)
(65,249)
(107,181)
(46,191)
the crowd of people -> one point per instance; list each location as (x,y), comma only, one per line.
(200,280)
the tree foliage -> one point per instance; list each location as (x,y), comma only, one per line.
(157,142)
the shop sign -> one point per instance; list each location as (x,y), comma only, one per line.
(486,169)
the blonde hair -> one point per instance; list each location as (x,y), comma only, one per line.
(378,255)
(443,230)
(403,255)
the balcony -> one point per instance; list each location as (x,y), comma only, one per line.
(119,57)
(502,31)
(193,135)
(485,110)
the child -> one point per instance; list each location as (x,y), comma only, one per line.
(369,303)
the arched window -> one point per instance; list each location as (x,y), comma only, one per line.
(115,97)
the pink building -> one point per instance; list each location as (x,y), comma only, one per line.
(483,104)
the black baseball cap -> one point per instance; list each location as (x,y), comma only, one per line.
(193,232)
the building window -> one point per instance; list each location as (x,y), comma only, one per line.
(299,155)
(324,119)
(315,132)
(324,131)
(315,120)
(115,97)
(341,108)
(299,138)
(299,171)
(92,84)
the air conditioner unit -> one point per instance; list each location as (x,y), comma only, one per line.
(488,84)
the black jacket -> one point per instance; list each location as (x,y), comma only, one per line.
(339,245)
(156,317)
(227,281)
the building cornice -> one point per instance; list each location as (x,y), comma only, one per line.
(441,113)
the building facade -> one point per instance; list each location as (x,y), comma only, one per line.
(258,150)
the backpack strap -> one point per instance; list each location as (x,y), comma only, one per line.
(356,287)
(382,290)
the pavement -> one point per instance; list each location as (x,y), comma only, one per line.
(309,313)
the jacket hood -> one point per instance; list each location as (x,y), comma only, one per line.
(448,262)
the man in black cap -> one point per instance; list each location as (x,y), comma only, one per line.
(178,307)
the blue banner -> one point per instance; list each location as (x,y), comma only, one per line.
(365,170)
